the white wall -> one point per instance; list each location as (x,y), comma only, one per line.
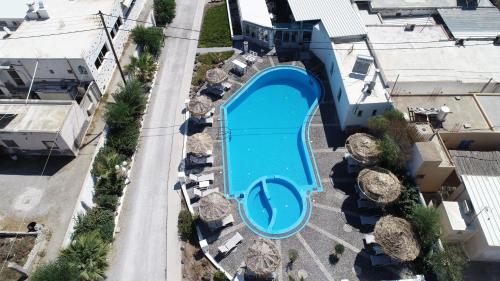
(448,87)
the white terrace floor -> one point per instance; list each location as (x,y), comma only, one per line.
(334,219)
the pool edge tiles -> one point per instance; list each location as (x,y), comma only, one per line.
(287,158)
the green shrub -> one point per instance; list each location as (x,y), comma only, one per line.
(407,202)
(214,58)
(142,68)
(219,276)
(119,115)
(97,219)
(391,153)
(447,265)
(125,140)
(378,125)
(105,161)
(215,28)
(132,95)
(88,254)
(58,270)
(293,255)
(112,185)
(339,249)
(187,226)
(425,222)
(109,202)
(164,11)
(149,39)
(394,115)
(199,75)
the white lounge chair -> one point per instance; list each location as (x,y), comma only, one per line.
(206,177)
(226,86)
(227,220)
(372,220)
(202,160)
(204,192)
(366,204)
(230,244)
(381,260)
(369,239)
(203,184)
(239,67)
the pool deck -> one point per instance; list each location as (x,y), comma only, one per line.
(334,218)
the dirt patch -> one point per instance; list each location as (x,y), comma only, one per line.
(195,265)
(14,252)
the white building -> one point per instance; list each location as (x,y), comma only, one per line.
(42,127)
(416,8)
(68,40)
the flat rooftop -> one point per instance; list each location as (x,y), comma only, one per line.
(45,116)
(32,39)
(464,110)
(255,11)
(491,105)
(13,9)
(428,55)
(472,23)
(347,54)
(416,4)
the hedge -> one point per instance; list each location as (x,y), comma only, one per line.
(164,11)
(97,219)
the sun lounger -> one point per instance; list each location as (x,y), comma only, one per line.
(372,220)
(230,244)
(377,250)
(227,220)
(366,204)
(206,177)
(239,67)
(202,160)
(381,260)
(198,192)
(226,86)
(369,239)
(204,184)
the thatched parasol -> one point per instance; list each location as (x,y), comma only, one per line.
(216,76)
(200,144)
(379,185)
(396,238)
(364,148)
(200,106)
(262,258)
(214,207)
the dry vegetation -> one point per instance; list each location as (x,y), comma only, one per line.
(18,254)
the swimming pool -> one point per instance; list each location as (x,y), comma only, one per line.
(269,169)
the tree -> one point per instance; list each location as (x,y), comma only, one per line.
(447,265)
(124,140)
(425,222)
(105,162)
(393,115)
(96,220)
(378,125)
(164,11)
(339,249)
(142,68)
(149,39)
(390,153)
(187,226)
(58,270)
(406,203)
(132,94)
(88,254)
(119,115)
(219,276)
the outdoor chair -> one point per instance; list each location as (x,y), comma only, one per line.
(377,250)
(369,239)
(366,204)
(230,244)
(198,192)
(206,177)
(381,260)
(225,222)
(371,220)
(227,86)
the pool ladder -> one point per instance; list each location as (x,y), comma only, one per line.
(223,132)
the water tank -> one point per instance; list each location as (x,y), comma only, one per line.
(443,112)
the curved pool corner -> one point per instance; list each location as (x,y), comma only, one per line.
(268,161)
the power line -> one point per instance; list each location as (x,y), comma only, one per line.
(147,22)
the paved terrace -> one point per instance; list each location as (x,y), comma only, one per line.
(334,216)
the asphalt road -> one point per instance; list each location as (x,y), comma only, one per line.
(147,246)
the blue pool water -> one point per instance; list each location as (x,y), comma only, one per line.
(267,161)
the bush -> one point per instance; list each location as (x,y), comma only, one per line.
(378,125)
(187,226)
(219,276)
(447,265)
(109,202)
(58,270)
(149,39)
(119,115)
(293,255)
(391,153)
(105,161)
(88,254)
(393,115)
(164,11)
(339,249)
(112,185)
(96,220)
(132,95)
(214,58)
(125,140)
(142,68)
(407,202)
(426,224)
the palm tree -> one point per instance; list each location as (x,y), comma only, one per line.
(133,95)
(142,68)
(105,162)
(88,254)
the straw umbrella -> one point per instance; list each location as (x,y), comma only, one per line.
(214,207)
(379,185)
(200,144)
(216,76)
(262,258)
(200,106)
(396,238)
(363,148)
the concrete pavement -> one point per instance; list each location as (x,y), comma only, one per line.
(147,246)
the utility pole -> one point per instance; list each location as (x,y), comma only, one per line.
(112,48)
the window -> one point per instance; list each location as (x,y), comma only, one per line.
(51,71)
(116,27)
(69,71)
(50,145)
(374,112)
(332,68)
(17,79)
(360,113)
(286,36)
(306,37)
(3,23)
(82,70)
(339,95)
(10,143)
(100,58)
